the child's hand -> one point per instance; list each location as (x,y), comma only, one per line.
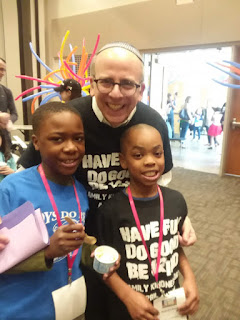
(112,269)
(65,239)
(139,307)
(188,237)
(190,306)
(6,170)
(3,240)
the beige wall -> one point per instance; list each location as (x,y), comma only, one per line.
(149,25)
(74,7)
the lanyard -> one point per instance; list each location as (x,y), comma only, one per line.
(135,214)
(70,260)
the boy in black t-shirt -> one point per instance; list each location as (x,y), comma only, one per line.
(136,222)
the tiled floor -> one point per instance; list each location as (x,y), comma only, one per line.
(196,155)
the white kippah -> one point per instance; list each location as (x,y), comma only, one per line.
(123,45)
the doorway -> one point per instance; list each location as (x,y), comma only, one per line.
(188,74)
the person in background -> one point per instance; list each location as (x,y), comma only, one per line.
(8,112)
(197,123)
(186,120)
(7,162)
(170,113)
(216,127)
(140,205)
(70,89)
(175,99)
(223,115)
(207,120)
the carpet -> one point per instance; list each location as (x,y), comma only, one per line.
(214,208)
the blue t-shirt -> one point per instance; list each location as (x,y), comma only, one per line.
(29,295)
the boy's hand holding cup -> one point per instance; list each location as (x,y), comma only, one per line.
(106,261)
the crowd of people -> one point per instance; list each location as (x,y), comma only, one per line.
(99,160)
(195,120)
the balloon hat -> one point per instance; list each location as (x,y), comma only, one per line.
(67,70)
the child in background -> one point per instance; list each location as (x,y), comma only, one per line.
(170,115)
(134,284)
(70,89)
(7,162)
(197,123)
(59,136)
(215,128)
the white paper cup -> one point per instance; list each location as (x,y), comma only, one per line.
(2,164)
(104,258)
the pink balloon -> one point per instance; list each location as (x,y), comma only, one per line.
(94,51)
(27,91)
(36,79)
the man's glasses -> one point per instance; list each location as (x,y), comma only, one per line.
(126,87)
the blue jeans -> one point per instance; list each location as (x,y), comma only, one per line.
(170,120)
(198,130)
(184,125)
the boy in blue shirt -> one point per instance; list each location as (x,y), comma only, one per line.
(59,136)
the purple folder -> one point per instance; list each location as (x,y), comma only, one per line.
(27,232)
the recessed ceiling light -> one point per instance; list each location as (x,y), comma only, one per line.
(179,2)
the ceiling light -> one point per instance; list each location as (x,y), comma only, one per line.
(179,2)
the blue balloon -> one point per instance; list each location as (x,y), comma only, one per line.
(230,85)
(47,86)
(36,95)
(48,97)
(40,61)
(235,64)
(229,73)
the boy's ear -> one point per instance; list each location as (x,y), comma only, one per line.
(35,141)
(122,161)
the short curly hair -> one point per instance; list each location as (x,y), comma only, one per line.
(49,108)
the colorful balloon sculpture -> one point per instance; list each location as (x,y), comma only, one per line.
(234,66)
(67,69)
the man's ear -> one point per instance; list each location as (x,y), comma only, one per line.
(92,87)
(122,161)
(142,88)
(35,142)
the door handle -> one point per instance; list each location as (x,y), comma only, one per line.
(235,124)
